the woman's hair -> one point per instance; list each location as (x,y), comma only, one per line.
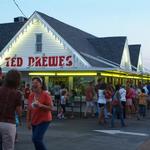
(117,87)
(39,79)
(143,90)
(12,79)
(63,92)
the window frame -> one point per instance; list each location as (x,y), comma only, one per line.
(38,43)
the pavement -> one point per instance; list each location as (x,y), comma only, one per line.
(79,133)
(145,145)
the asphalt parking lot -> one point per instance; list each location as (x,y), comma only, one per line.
(79,133)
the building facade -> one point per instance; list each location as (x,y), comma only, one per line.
(44,46)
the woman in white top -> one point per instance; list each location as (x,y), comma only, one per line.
(101,102)
(122,92)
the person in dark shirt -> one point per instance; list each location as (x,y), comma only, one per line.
(10,102)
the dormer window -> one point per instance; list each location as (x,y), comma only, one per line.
(38,42)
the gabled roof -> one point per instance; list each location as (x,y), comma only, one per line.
(79,40)
(100,63)
(110,48)
(134,54)
(8,31)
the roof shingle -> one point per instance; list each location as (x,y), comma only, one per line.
(110,48)
(7,32)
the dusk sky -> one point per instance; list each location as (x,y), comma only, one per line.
(102,18)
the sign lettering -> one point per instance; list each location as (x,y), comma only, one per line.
(45,61)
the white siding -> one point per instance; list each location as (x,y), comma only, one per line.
(140,67)
(125,61)
(25,45)
(50,46)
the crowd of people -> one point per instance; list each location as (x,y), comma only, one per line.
(119,101)
(102,99)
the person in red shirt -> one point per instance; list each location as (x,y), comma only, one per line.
(89,97)
(39,113)
(27,92)
(129,102)
(108,95)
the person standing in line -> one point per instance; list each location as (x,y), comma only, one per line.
(56,91)
(133,99)
(108,96)
(72,95)
(27,92)
(117,107)
(148,99)
(122,92)
(10,102)
(63,88)
(21,90)
(142,104)
(100,88)
(89,97)
(63,101)
(129,102)
(145,88)
(39,113)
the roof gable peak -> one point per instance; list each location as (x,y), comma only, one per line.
(50,19)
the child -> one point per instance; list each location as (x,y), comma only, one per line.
(142,104)
(63,100)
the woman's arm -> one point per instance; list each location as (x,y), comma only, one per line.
(48,105)
(45,107)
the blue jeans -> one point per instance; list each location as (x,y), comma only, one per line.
(38,132)
(142,110)
(117,111)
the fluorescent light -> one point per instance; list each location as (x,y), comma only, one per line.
(42,74)
(77,74)
(125,76)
